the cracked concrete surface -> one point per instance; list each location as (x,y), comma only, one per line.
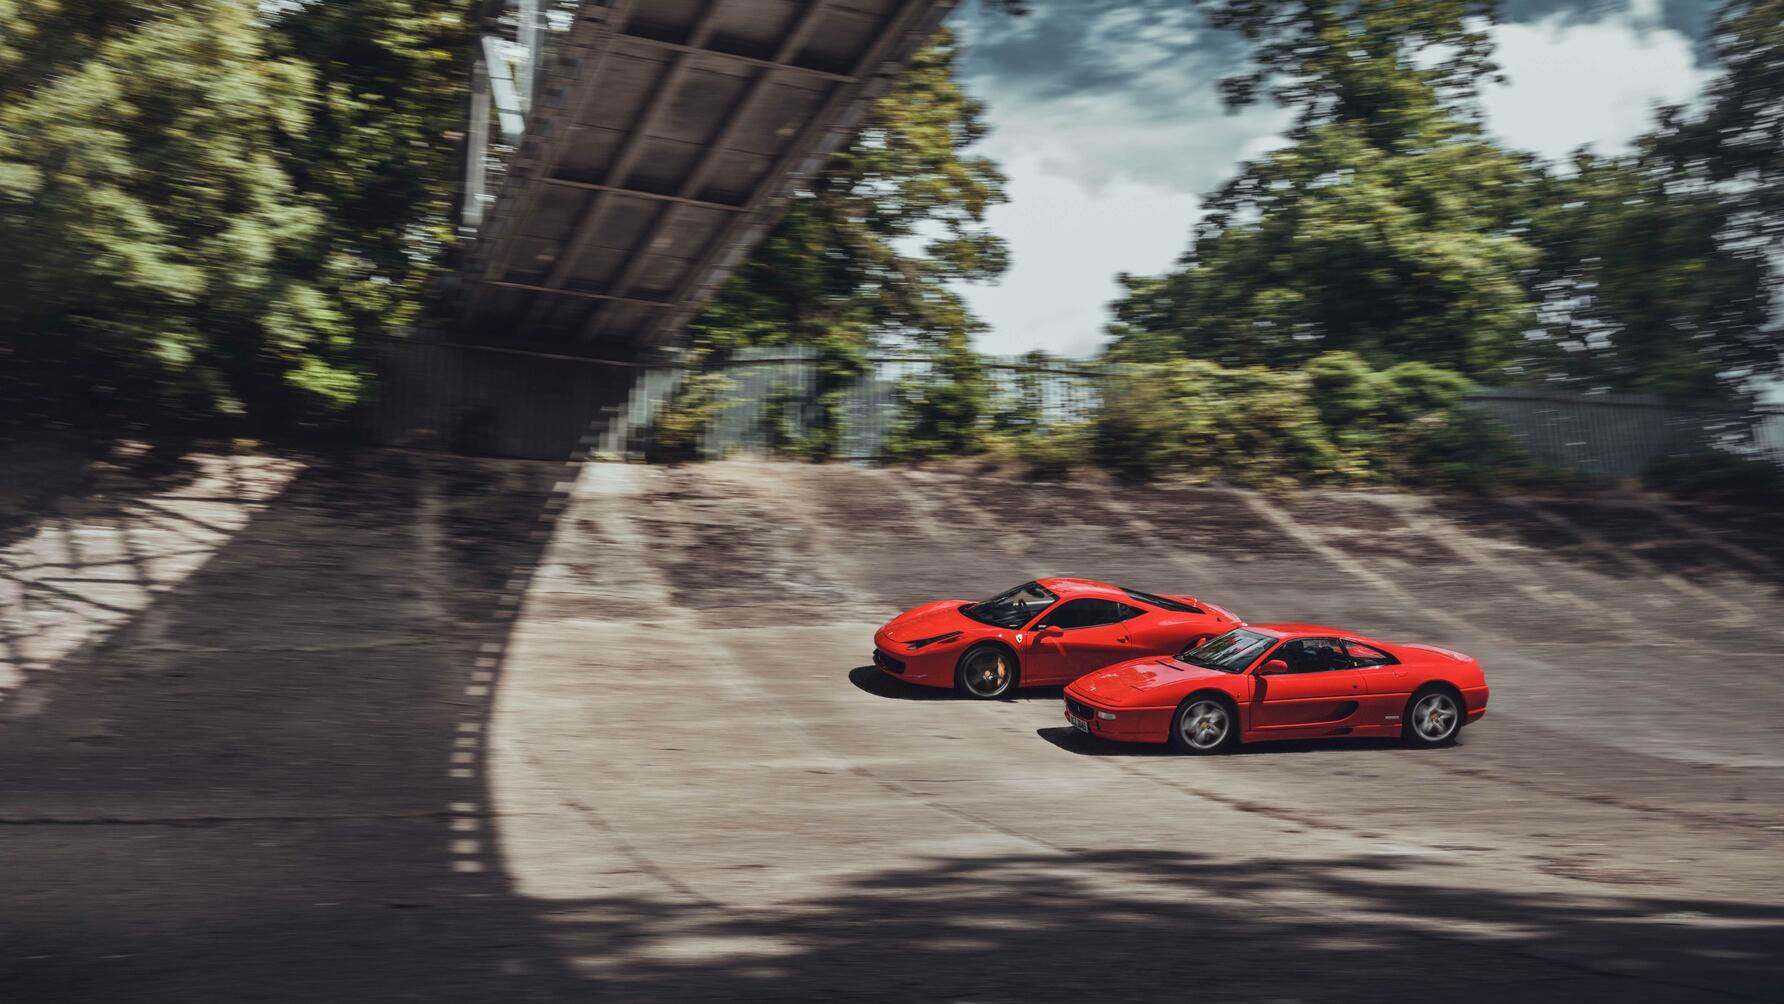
(409,727)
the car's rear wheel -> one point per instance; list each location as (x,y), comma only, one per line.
(986,672)
(1204,725)
(1433,717)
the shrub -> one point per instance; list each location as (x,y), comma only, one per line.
(685,417)
(1719,475)
(1048,451)
(1196,417)
(940,411)
(1336,420)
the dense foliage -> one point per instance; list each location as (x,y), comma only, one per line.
(1639,286)
(865,261)
(387,96)
(1337,419)
(1737,140)
(208,206)
(153,245)
(201,214)
(1393,227)
(1384,228)
(1342,292)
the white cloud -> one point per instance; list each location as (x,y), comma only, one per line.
(1158,119)
(1104,177)
(1069,240)
(1596,83)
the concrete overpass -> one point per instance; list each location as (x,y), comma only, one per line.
(665,139)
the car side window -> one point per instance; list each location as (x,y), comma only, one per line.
(1084,613)
(1312,655)
(1366,656)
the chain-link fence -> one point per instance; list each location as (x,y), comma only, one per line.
(775,399)
(1620,435)
(523,404)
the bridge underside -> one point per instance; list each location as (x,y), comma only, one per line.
(668,137)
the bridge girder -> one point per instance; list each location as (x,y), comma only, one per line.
(665,139)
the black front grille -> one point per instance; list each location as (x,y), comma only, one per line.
(887,663)
(1080,709)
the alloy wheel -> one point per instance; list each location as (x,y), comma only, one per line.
(987,673)
(1435,716)
(1205,725)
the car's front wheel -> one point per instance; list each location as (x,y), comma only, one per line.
(986,672)
(1204,725)
(1433,717)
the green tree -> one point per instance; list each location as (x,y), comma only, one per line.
(1737,141)
(1393,228)
(1338,419)
(1722,172)
(1641,285)
(1361,61)
(155,250)
(867,259)
(1388,227)
(388,97)
(1657,270)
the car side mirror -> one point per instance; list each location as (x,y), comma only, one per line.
(1048,629)
(1274,667)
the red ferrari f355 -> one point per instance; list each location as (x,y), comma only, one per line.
(1281,681)
(1049,631)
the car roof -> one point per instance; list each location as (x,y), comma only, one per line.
(1076,588)
(1286,631)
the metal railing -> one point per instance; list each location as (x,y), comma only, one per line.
(775,393)
(1620,435)
(518,403)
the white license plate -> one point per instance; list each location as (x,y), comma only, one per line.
(1078,723)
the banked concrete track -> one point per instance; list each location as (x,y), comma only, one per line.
(399,726)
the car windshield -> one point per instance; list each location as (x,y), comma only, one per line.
(1012,608)
(1229,653)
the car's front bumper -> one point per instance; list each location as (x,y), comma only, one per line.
(922,668)
(1130,725)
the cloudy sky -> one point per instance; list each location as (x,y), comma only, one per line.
(1109,125)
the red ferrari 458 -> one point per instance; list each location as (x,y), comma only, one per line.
(1281,681)
(1049,631)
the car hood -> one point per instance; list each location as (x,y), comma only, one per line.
(1125,681)
(929,620)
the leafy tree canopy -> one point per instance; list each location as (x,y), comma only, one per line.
(1640,287)
(153,244)
(1386,227)
(867,258)
(1383,64)
(387,98)
(1391,226)
(204,205)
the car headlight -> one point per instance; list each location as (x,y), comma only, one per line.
(1107,716)
(937,640)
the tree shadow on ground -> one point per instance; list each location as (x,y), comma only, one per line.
(51,478)
(1151,924)
(268,784)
